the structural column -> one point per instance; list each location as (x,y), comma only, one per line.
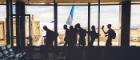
(55,20)
(125,23)
(30,31)
(9,23)
(20,24)
(88,23)
(99,4)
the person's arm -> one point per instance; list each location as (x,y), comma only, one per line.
(103,29)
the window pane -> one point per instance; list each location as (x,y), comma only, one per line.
(135,26)
(80,16)
(94,21)
(40,16)
(2,25)
(110,15)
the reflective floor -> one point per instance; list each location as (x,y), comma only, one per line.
(82,53)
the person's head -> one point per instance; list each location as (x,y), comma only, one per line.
(65,26)
(45,27)
(109,25)
(93,27)
(71,27)
(77,26)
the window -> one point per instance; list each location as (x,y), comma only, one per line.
(80,15)
(94,21)
(2,25)
(110,15)
(40,16)
(135,26)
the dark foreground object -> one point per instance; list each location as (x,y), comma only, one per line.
(82,53)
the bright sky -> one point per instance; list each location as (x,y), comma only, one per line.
(109,15)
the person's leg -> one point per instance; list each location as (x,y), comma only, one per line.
(75,42)
(83,42)
(65,44)
(80,42)
(108,43)
(91,42)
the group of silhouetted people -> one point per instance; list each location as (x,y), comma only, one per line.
(72,33)
(75,35)
(71,36)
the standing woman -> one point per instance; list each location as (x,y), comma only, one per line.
(93,35)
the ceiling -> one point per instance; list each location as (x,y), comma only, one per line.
(70,1)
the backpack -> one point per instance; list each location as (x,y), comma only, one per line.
(113,34)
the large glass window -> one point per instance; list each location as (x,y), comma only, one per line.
(3,12)
(94,21)
(135,26)
(110,15)
(2,25)
(80,15)
(40,16)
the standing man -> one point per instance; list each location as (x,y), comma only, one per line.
(66,38)
(50,37)
(82,34)
(110,35)
(73,36)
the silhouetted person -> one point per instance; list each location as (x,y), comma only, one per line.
(82,34)
(73,36)
(110,35)
(50,37)
(66,38)
(93,35)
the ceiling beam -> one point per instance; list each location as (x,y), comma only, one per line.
(71,1)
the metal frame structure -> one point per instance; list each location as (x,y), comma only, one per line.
(70,1)
(29,27)
(125,23)
(55,20)
(98,21)
(9,21)
(55,3)
(88,21)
